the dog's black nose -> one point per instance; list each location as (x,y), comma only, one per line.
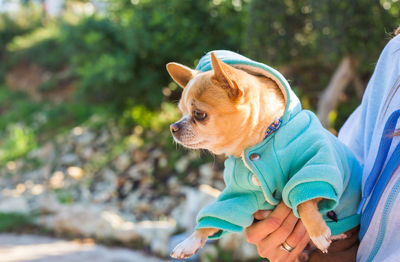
(175,127)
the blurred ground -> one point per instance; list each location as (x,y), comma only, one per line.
(45,249)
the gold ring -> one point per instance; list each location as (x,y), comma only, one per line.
(285,246)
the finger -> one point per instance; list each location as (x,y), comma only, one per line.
(263,228)
(299,248)
(262,214)
(283,232)
(271,247)
(285,256)
(297,235)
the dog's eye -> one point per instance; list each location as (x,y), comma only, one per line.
(199,116)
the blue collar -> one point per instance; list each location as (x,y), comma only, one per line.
(273,127)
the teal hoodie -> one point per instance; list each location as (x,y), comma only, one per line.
(298,162)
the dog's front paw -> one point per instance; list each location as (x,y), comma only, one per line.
(322,241)
(188,247)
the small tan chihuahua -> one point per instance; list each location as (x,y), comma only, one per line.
(226,110)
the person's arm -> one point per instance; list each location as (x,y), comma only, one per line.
(269,233)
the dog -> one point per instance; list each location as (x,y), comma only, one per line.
(276,151)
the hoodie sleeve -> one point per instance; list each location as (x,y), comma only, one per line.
(234,208)
(231,212)
(317,168)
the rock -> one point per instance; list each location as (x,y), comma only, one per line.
(162,206)
(86,153)
(163,162)
(140,155)
(69,159)
(185,214)
(57,180)
(156,153)
(137,203)
(37,189)
(85,138)
(47,203)
(157,234)
(14,205)
(75,172)
(103,138)
(13,167)
(85,195)
(191,178)
(45,171)
(127,233)
(107,225)
(87,220)
(237,245)
(76,220)
(131,189)
(81,220)
(107,188)
(174,186)
(220,185)
(38,175)
(206,173)
(44,154)
(139,170)
(126,187)
(45,221)
(182,164)
(20,189)
(114,131)
(209,253)
(131,202)
(122,162)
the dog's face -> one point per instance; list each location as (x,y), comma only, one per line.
(212,104)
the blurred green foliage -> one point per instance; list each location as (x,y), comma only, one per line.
(367,26)
(25,123)
(14,221)
(307,39)
(116,59)
(18,141)
(26,20)
(120,58)
(319,31)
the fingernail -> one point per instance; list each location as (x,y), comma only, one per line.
(266,213)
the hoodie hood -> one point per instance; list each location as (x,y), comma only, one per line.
(293,105)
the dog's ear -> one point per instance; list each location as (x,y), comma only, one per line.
(223,75)
(180,73)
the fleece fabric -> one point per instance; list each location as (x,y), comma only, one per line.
(363,132)
(298,162)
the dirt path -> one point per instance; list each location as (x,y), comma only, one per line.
(15,248)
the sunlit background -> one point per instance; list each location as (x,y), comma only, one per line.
(85,105)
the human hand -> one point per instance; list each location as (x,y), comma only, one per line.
(273,230)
